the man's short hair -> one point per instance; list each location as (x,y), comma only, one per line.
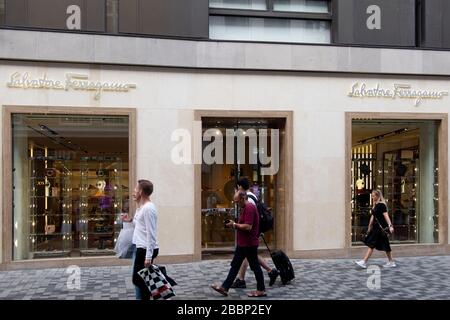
(243,182)
(146,187)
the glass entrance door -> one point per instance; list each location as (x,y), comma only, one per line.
(219,178)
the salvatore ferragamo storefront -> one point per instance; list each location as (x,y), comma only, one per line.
(315,102)
(76,138)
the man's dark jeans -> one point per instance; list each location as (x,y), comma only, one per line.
(251,253)
(142,291)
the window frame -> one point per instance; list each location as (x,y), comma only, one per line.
(442,159)
(7,254)
(270,13)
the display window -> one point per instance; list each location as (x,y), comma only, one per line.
(400,158)
(70,177)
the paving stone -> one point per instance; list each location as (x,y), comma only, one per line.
(414,278)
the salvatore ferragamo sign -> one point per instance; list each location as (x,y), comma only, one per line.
(79,82)
(400,91)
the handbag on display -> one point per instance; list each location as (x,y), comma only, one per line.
(156,283)
(50,229)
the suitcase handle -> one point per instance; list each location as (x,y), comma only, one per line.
(264,239)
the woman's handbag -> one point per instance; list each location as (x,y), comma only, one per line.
(385,231)
(156,283)
(363,236)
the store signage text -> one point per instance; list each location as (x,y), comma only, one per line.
(73,81)
(401,91)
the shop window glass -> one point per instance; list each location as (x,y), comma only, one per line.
(269,29)
(400,159)
(70,178)
(238,4)
(315,6)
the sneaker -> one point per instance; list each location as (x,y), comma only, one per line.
(390,264)
(239,284)
(273,274)
(361,263)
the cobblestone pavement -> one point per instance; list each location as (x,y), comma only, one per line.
(414,278)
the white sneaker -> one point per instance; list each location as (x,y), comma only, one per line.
(361,263)
(390,264)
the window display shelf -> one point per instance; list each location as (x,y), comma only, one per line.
(46,197)
(51,234)
(90,203)
(40,215)
(101,192)
(50,182)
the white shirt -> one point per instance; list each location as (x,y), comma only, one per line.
(250,199)
(144,235)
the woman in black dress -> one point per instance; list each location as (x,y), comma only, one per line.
(376,238)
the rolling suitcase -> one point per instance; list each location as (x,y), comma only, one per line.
(282,263)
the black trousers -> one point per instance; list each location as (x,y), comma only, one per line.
(138,265)
(251,253)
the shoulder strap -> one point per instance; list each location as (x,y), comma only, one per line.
(253,198)
(379,224)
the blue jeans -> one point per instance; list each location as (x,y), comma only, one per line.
(137,291)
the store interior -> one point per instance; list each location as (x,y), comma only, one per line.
(398,157)
(71,182)
(219,180)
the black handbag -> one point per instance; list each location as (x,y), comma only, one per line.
(363,236)
(384,231)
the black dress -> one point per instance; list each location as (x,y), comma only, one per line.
(376,239)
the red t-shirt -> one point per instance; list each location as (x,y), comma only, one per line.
(249,215)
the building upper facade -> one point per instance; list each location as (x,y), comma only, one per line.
(355,36)
(398,23)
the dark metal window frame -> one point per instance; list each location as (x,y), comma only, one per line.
(270,13)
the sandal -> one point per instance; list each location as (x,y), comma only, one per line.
(220,290)
(255,294)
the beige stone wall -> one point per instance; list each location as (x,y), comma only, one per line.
(166,100)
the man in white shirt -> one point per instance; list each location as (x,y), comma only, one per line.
(145,234)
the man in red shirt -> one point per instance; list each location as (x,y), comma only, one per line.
(247,247)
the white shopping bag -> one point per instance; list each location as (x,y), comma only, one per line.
(124,247)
